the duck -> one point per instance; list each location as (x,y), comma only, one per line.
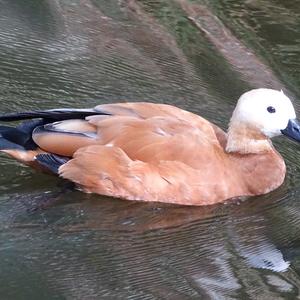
(158,152)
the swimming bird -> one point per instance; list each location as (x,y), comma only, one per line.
(158,152)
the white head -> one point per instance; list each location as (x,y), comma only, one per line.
(267,110)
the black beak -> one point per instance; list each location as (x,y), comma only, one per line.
(292,130)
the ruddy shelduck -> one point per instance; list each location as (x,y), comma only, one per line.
(158,152)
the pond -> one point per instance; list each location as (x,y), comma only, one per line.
(200,55)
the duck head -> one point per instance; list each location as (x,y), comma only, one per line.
(259,115)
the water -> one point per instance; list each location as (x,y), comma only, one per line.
(58,243)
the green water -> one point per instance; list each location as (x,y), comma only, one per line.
(58,243)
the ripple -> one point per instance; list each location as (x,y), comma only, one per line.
(59,243)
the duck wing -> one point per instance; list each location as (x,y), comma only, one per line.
(144,151)
(149,152)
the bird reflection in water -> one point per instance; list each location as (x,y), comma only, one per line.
(215,252)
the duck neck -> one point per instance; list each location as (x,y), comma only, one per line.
(245,139)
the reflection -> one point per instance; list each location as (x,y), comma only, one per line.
(256,249)
(62,244)
(280,284)
(154,249)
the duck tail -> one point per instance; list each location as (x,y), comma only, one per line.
(19,137)
(18,142)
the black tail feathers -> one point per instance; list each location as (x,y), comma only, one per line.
(8,145)
(20,137)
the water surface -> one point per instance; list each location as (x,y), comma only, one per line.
(58,243)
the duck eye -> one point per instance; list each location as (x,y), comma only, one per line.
(271,109)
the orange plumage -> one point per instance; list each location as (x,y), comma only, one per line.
(155,152)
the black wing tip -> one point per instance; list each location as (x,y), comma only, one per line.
(11,117)
(18,116)
(51,115)
(51,162)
